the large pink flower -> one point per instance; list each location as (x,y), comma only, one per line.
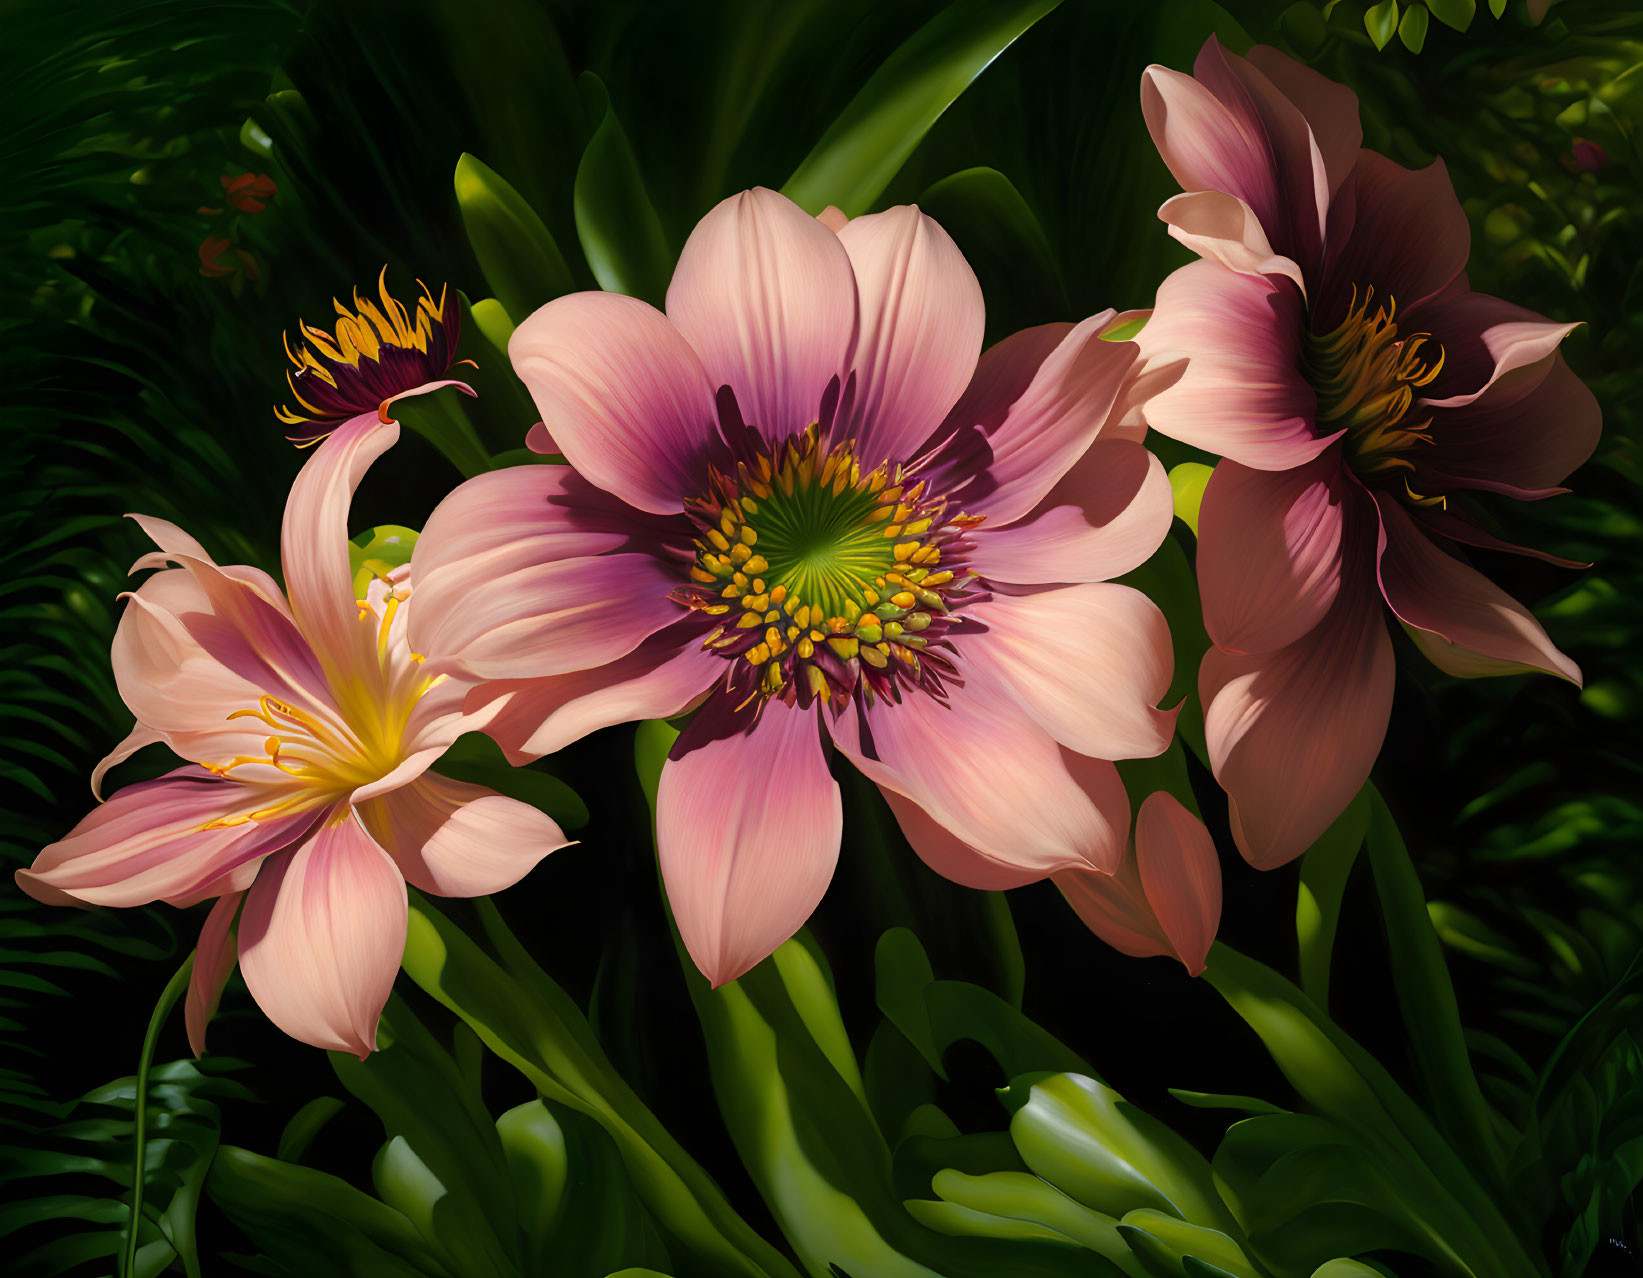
(1360,394)
(311,726)
(800,501)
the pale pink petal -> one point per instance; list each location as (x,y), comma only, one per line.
(1105,516)
(623,395)
(319,579)
(920,331)
(426,388)
(1089,663)
(1114,907)
(214,959)
(993,778)
(657,680)
(1292,734)
(1329,108)
(165,840)
(765,294)
(1040,396)
(547,618)
(747,830)
(1485,341)
(1222,227)
(455,839)
(1465,623)
(139,737)
(953,858)
(1374,243)
(1180,875)
(833,218)
(322,935)
(1269,550)
(1242,393)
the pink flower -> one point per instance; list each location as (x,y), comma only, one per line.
(1165,898)
(311,726)
(1360,393)
(380,353)
(800,502)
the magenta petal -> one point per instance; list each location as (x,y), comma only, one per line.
(765,294)
(163,840)
(920,331)
(1462,621)
(657,680)
(214,959)
(623,394)
(1089,663)
(455,839)
(1041,403)
(1269,551)
(747,830)
(1241,393)
(993,778)
(322,935)
(1292,734)
(1106,516)
(1399,231)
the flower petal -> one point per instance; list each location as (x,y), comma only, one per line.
(1089,663)
(1484,341)
(455,839)
(164,840)
(1462,621)
(1105,516)
(747,828)
(1241,393)
(1181,876)
(138,738)
(1041,396)
(765,294)
(993,778)
(214,959)
(322,935)
(623,394)
(1269,551)
(1225,229)
(1292,734)
(920,331)
(657,680)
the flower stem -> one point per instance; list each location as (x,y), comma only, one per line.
(168,999)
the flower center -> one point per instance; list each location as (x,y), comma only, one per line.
(1365,377)
(822,580)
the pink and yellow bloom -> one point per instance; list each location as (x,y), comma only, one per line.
(310,726)
(805,504)
(1360,394)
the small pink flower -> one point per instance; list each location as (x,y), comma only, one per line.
(1586,157)
(803,502)
(379,353)
(1360,394)
(310,725)
(1165,898)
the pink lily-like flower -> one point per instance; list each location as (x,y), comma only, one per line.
(311,726)
(1165,898)
(800,501)
(1359,392)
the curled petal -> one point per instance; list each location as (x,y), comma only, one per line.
(623,394)
(919,335)
(1089,663)
(214,959)
(322,935)
(455,839)
(1222,227)
(766,295)
(1465,623)
(1269,551)
(748,823)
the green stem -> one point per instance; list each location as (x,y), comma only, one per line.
(168,1000)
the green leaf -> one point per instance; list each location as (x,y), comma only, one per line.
(1497,7)
(1187,482)
(1171,1245)
(621,235)
(306,1124)
(883,124)
(1454,13)
(902,974)
(1381,21)
(1412,30)
(1324,871)
(516,251)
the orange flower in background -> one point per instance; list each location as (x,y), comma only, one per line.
(219,259)
(247,192)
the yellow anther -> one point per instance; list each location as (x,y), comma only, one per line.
(845,647)
(748,536)
(875,657)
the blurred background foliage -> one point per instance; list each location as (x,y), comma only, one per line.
(183,180)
